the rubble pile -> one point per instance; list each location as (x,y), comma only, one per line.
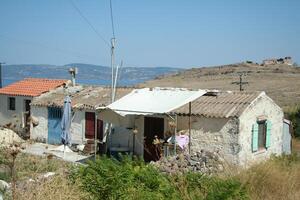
(203,162)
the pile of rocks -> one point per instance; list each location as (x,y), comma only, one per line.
(204,162)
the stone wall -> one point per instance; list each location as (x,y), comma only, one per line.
(213,135)
(266,107)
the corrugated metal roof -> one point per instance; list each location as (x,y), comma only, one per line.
(222,105)
(31,87)
(83,97)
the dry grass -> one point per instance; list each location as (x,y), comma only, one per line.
(281,82)
(55,188)
(278,178)
(29,166)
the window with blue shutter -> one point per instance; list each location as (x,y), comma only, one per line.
(254,137)
(261,135)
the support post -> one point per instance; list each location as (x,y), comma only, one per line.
(95,137)
(190,112)
(175,133)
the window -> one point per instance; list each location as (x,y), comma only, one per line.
(261,135)
(11,103)
(262,131)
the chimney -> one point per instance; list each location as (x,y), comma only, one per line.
(73,72)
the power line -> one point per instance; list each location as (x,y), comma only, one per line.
(112,19)
(88,22)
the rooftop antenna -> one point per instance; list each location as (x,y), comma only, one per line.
(1,63)
(240,82)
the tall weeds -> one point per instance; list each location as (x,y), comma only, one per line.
(278,178)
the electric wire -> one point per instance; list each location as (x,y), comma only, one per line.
(88,22)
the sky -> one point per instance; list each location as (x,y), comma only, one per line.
(174,33)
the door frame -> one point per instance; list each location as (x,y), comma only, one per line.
(157,125)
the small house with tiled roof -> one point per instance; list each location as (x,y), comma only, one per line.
(15,100)
(46,111)
(243,127)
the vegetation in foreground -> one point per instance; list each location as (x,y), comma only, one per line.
(129,179)
(278,178)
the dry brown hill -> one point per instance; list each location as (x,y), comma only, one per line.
(280,82)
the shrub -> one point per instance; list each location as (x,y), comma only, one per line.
(126,179)
(132,179)
(293,114)
(198,186)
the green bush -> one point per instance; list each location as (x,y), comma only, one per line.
(127,179)
(133,179)
(293,114)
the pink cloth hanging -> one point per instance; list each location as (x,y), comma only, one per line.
(182,141)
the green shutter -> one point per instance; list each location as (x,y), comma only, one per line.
(254,137)
(268,134)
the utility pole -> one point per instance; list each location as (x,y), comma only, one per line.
(113,41)
(240,82)
(1,63)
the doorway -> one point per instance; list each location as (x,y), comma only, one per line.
(153,126)
(90,126)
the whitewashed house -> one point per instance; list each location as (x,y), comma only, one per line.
(46,110)
(15,100)
(244,127)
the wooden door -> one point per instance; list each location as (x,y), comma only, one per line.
(90,126)
(152,126)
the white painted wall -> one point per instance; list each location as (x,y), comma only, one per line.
(78,127)
(40,132)
(267,107)
(123,135)
(12,116)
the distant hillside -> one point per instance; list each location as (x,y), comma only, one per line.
(88,74)
(281,82)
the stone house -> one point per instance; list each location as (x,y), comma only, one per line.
(15,100)
(286,60)
(243,127)
(46,111)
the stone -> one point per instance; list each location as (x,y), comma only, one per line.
(203,162)
(4,185)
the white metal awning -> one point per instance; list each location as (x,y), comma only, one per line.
(150,101)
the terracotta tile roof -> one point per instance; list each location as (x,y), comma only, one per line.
(83,97)
(221,105)
(31,87)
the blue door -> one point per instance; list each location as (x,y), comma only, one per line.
(54,129)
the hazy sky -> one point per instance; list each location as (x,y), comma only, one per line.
(183,33)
